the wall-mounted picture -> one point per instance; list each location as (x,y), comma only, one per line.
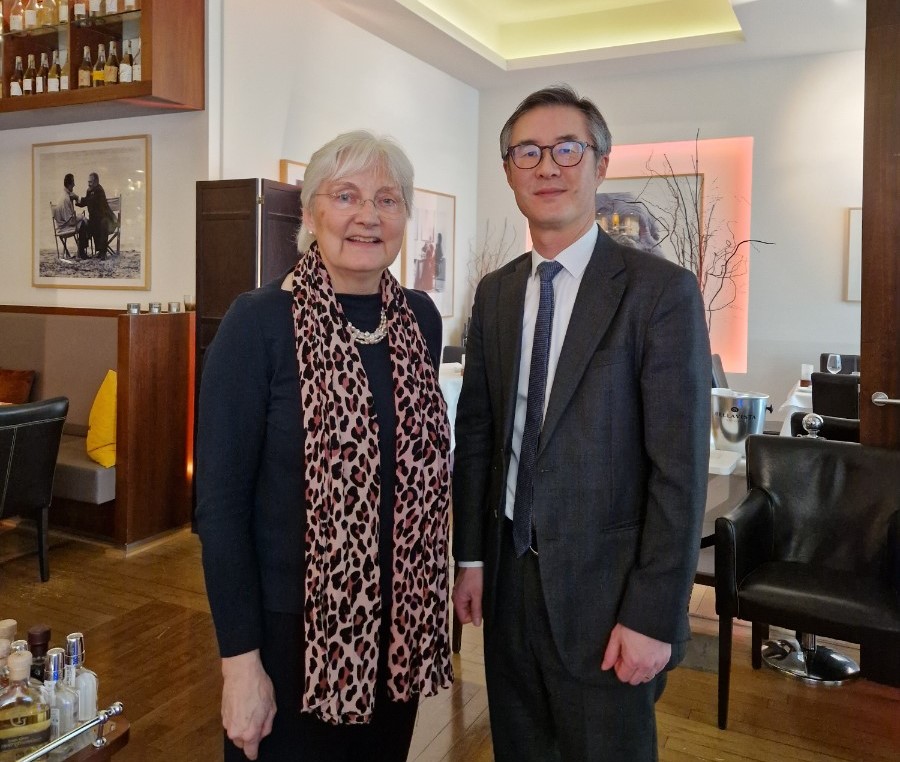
(91,213)
(291,172)
(428,261)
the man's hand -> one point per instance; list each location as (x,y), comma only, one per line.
(467,594)
(637,658)
(248,702)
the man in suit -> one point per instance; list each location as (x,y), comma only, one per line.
(102,220)
(581,531)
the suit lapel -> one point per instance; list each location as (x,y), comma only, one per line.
(512,304)
(599,295)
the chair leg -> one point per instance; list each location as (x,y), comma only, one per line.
(43,543)
(759,633)
(725,623)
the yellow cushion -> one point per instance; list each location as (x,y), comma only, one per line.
(101,436)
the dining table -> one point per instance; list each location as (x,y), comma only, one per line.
(799,400)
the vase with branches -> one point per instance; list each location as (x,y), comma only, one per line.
(488,253)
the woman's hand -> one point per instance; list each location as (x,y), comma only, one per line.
(248,702)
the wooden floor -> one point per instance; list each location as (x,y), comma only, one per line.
(149,636)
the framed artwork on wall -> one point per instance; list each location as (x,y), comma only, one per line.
(291,172)
(91,213)
(429,248)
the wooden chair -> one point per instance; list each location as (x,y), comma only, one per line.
(115,204)
(29,443)
(62,235)
(835,395)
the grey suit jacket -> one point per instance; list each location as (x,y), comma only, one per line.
(621,471)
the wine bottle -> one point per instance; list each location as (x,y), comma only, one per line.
(132,5)
(126,63)
(24,713)
(95,8)
(17,80)
(48,15)
(64,70)
(62,11)
(85,70)
(40,86)
(53,74)
(31,15)
(98,78)
(136,66)
(79,10)
(112,6)
(28,80)
(111,70)
(17,17)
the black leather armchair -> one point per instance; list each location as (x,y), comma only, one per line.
(835,395)
(813,547)
(29,443)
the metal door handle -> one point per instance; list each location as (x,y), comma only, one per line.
(881,399)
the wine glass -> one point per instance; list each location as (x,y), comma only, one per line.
(834,364)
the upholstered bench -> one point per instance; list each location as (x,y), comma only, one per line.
(80,478)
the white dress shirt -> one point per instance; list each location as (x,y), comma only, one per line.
(574,260)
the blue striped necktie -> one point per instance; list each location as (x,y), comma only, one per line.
(534,409)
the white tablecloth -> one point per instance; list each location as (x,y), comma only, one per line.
(799,400)
(450,378)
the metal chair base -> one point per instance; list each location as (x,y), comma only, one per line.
(814,665)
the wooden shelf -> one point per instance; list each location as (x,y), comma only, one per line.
(172,57)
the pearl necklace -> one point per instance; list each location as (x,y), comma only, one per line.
(369,337)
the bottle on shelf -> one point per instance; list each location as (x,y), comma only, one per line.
(95,8)
(32,10)
(17,17)
(53,74)
(62,11)
(64,71)
(40,78)
(98,76)
(61,699)
(112,7)
(111,71)
(28,80)
(136,66)
(125,65)
(132,5)
(85,70)
(48,15)
(79,677)
(79,10)
(8,629)
(4,670)
(39,635)
(24,712)
(17,79)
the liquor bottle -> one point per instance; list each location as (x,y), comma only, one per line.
(31,15)
(136,67)
(53,74)
(63,701)
(24,713)
(48,15)
(8,629)
(126,63)
(62,11)
(98,77)
(39,635)
(132,5)
(95,8)
(28,80)
(64,72)
(40,78)
(17,79)
(17,17)
(85,70)
(112,6)
(111,70)
(4,670)
(80,677)
(79,10)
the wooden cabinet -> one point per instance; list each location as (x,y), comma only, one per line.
(172,59)
(246,237)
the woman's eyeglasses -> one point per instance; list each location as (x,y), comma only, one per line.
(568,153)
(348,201)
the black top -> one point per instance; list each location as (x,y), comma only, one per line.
(249,455)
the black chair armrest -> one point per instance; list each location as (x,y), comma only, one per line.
(744,540)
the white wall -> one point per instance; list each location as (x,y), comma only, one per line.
(806,118)
(323,76)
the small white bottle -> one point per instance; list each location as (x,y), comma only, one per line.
(79,677)
(63,700)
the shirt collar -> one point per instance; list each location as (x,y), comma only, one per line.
(573,258)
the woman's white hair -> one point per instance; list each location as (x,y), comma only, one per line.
(349,154)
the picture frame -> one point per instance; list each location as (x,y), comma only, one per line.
(114,251)
(853,291)
(291,172)
(429,248)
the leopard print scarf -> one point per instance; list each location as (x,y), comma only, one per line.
(342,607)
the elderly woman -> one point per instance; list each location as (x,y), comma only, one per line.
(322,482)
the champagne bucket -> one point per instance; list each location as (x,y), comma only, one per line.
(735,416)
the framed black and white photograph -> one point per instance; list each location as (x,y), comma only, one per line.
(91,213)
(428,261)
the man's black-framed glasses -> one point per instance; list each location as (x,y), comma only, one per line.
(567,153)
